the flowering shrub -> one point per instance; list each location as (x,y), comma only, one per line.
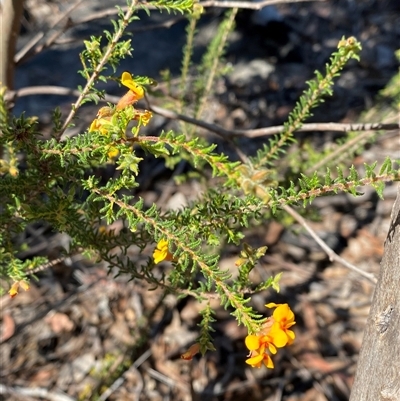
(56,180)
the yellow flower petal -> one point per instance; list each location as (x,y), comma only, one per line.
(252,342)
(144,117)
(93,126)
(255,361)
(268,362)
(14,289)
(283,313)
(272,348)
(279,337)
(291,335)
(158,256)
(128,81)
(97,125)
(112,152)
(161,252)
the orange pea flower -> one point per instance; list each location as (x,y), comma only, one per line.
(135,93)
(274,334)
(283,320)
(15,287)
(143,116)
(191,352)
(162,252)
(258,356)
(257,345)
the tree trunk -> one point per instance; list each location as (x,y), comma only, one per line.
(10,21)
(378,369)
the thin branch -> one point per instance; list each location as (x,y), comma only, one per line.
(170,382)
(117,36)
(260,132)
(43,90)
(336,127)
(100,14)
(35,392)
(120,381)
(22,54)
(52,39)
(52,263)
(206,4)
(248,4)
(333,256)
(251,133)
(112,11)
(32,44)
(168,23)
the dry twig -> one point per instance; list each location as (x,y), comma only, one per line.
(120,381)
(172,115)
(250,5)
(260,132)
(35,392)
(333,256)
(23,53)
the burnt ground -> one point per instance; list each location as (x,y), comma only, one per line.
(79,332)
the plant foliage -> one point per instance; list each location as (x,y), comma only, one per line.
(56,180)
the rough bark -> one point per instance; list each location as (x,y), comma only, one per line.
(378,370)
(10,20)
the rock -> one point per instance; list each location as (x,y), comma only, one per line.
(246,72)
